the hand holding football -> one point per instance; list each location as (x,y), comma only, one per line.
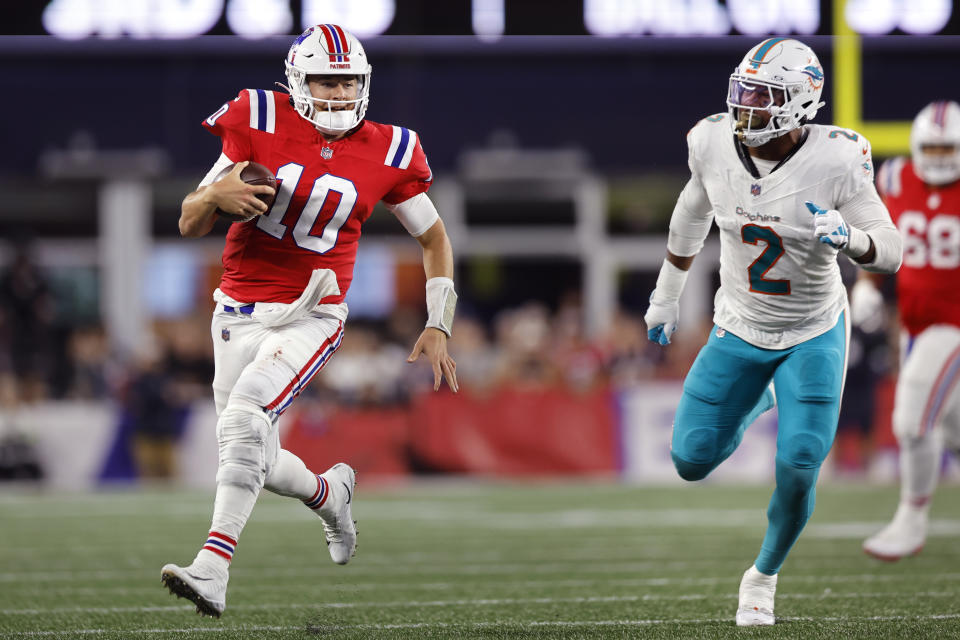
(254,174)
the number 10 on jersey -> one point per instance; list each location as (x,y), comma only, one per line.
(289,177)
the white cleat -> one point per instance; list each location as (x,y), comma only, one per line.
(904,536)
(203,586)
(756,599)
(339,527)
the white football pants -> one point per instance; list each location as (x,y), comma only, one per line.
(927,406)
(259,371)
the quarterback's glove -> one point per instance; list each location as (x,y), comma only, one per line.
(830,228)
(866,305)
(663,314)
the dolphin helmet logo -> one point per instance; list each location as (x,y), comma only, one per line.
(816,75)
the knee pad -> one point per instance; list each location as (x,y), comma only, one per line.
(697,446)
(691,471)
(906,423)
(242,432)
(804,451)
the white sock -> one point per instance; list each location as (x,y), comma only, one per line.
(919,468)
(290,477)
(231,510)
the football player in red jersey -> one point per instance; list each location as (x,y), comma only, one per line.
(923,196)
(280,305)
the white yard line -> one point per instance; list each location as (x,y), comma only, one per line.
(480,602)
(475,625)
(360,571)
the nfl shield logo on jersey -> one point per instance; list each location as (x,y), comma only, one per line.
(326,153)
(755,189)
(225,334)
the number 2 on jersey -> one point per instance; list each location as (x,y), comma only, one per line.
(289,176)
(753,234)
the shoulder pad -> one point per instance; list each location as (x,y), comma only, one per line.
(842,149)
(402,143)
(263,110)
(705,123)
(889,177)
(710,130)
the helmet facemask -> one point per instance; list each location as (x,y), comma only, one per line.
(935,143)
(323,114)
(774,90)
(755,108)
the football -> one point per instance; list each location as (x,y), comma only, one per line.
(256,174)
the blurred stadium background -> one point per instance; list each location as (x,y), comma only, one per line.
(556,132)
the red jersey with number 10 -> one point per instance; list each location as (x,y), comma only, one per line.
(929,221)
(326,190)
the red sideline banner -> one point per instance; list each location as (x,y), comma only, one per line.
(509,432)
(375,441)
(513,432)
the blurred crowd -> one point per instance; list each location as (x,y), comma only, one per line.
(43,357)
(528,346)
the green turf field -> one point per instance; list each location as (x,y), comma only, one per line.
(468,559)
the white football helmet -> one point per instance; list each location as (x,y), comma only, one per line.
(780,76)
(328,49)
(937,125)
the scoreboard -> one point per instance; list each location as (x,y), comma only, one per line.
(162,19)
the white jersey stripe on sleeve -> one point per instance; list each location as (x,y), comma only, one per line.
(394,143)
(271,111)
(254,108)
(408,154)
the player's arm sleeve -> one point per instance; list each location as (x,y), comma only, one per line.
(861,207)
(222,163)
(693,213)
(690,221)
(231,123)
(867,212)
(415,175)
(416,214)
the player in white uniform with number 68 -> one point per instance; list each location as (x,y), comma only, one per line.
(787,196)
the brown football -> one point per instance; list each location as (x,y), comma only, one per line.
(254,173)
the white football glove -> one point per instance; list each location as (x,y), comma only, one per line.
(661,320)
(830,228)
(866,305)
(663,314)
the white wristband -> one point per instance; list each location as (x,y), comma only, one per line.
(441,303)
(858,242)
(669,284)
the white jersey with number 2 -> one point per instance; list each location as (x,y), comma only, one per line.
(779,286)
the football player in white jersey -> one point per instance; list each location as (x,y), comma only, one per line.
(787,196)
